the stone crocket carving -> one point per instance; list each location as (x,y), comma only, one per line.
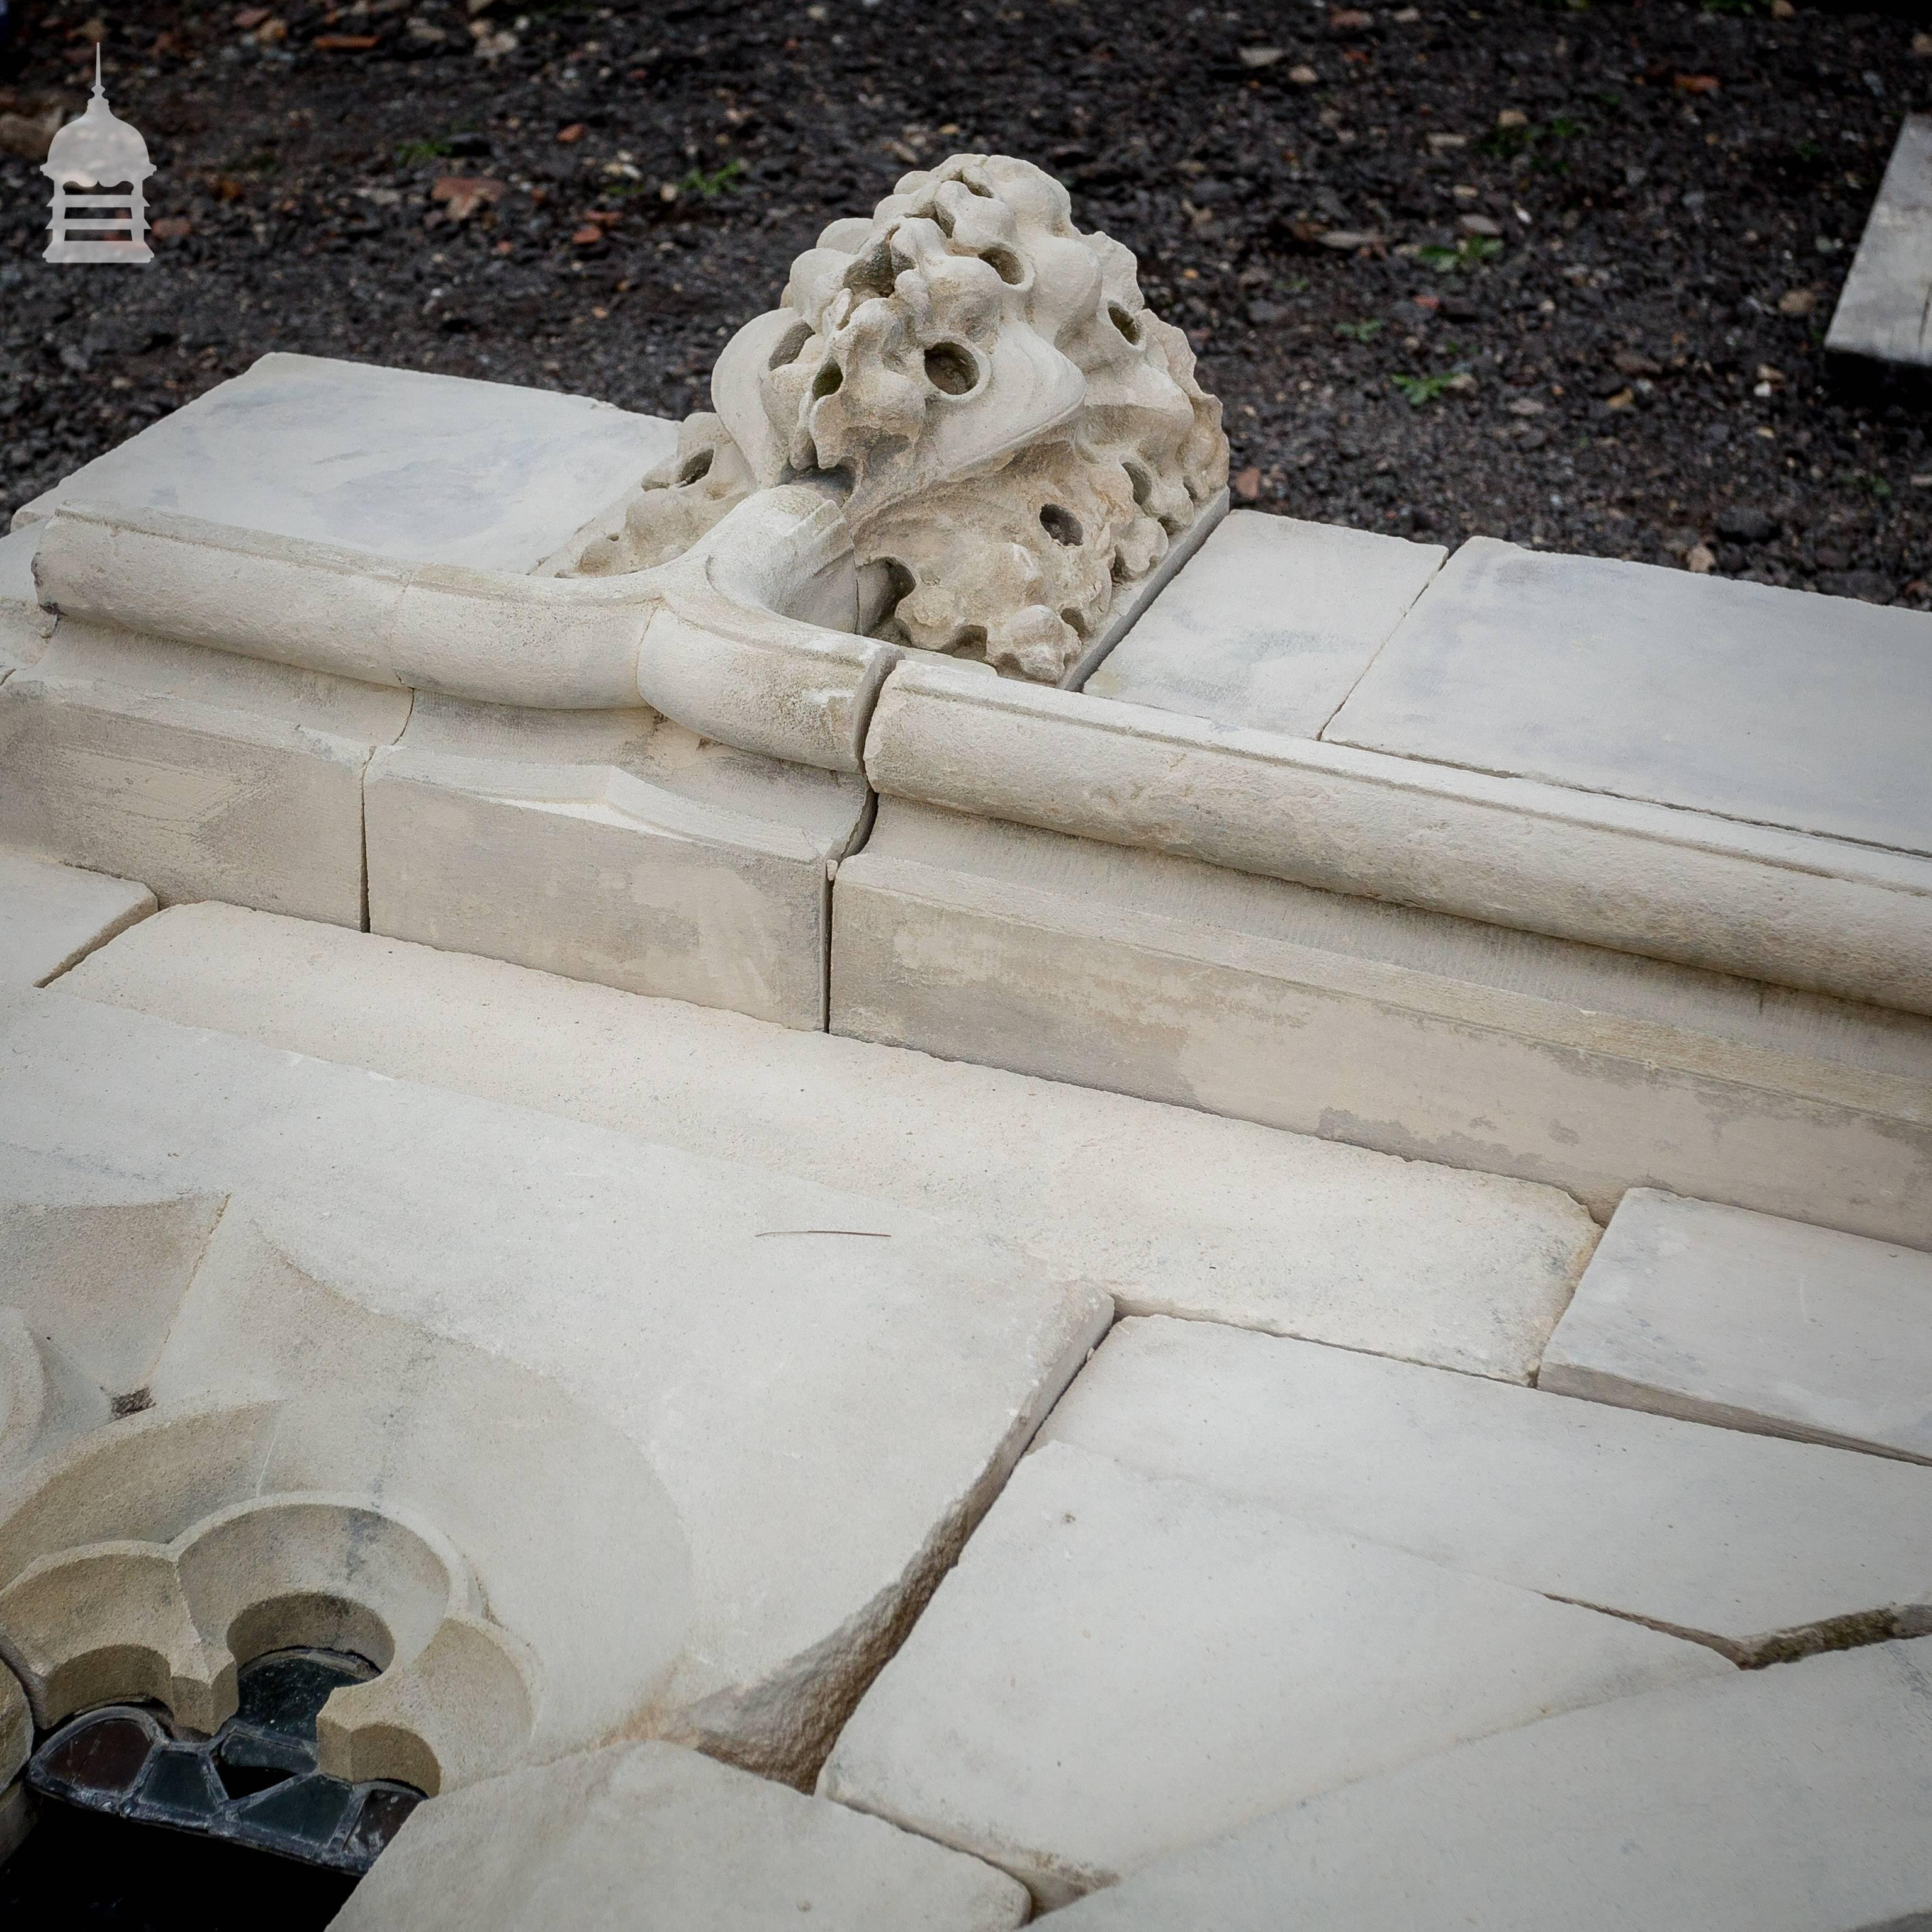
(1011,434)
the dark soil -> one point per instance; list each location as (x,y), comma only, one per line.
(1677,205)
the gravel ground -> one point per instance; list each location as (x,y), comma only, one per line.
(1557,272)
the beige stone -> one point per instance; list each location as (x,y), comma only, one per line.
(1439,1039)
(16,1729)
(51,916)
(1165,1207)
(24,627)
(650,1838)
(1122,1665)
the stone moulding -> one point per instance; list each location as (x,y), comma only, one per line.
(1818,914)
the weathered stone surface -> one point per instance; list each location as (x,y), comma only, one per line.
(1439,1039)
(611,846)
(1885,310)
(1654,684)
(203,775)
(651,1838)
(823,1390)
(17,1727)
(1270,625)
(1123,1664)
(24,627)
(1693,1310)
(1758,1546)
(1793,1800)
(1790,908)
(1166,1208)
(51,916)
(391,462)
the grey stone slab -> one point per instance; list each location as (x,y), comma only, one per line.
(1752,1544)
(1885,310)
(1123,1665)
(1778,706)
(1792,1800)
(51,916)
(650,1838)
(24,627)
(1694,1310)
(391,462)
(1270,625)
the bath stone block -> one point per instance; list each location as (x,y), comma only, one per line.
(1793,1800)
(1779,706)
(1759,1547)
(1270,624)
(394,463)
(17,1727)
(1693,1309)
(24,627)
(53,916)
(204,775)
(1122,1665)
(1436,1038)
(1885,310)
(651,1838)
(1166,1208)
(830,1387)
(630,854)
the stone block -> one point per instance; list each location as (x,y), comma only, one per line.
(648,1837)
(1435,1038)
(391,462)
(51,916)
(1781,707)
(16,1728)
(1165,1207)
(1122,1665)
(1793,1800)
(1270,625)
(1762,1549)
(205,775)
(1885,310)
(1752,1322)
(614,846)
(821,1389)
(24,627)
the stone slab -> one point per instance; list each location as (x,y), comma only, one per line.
(1437,1039)
(204,776)
(1793,1800)
(24,627)
(1781,707)
(1123,1665)
(1759,1546)
(52,916)
(650,1838)
(1270,624)
(1885,310)
(1752,1322)
(614,846)
(394,463)
(1165,1207)
(825,1388)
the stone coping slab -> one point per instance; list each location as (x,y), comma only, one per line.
(1694,1310)
(1777,707)
(1762,1548)
(1885,310)
(829,1387)
(1166,1208)
(391,462)
(1122,1665)
(1270,625)
(651,1838)
(1791,1800)
(51,916)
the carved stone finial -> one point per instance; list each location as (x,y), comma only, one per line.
(1011,433)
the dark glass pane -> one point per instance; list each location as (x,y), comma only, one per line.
(302,1814)
(384,1809)
(283,1692)
(180,1784)
(240,1779)
(263,1750)
(102,1757)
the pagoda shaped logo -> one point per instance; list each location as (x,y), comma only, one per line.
(106,160)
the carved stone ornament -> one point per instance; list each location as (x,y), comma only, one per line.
(1012,434)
